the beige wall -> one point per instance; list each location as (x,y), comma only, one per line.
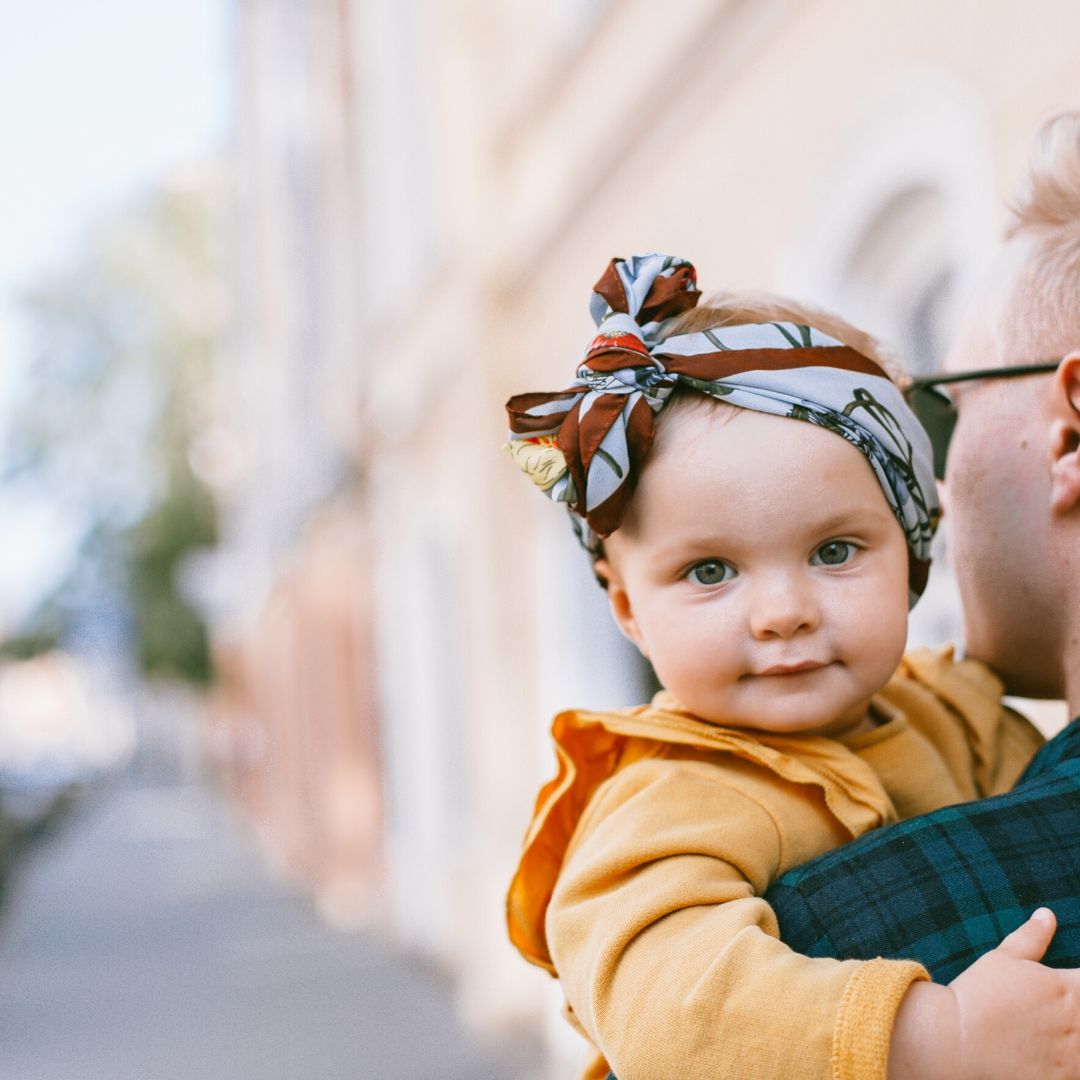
(482,162)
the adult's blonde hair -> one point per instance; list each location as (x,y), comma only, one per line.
(1048,203)
(1047,214)
(1029,309)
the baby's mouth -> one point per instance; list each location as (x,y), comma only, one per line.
(799,667)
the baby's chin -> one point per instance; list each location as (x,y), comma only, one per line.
(831,729)
(793,718)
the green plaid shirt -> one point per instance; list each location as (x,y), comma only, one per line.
(946,887)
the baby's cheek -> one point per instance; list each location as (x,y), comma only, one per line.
(883,648)
(700,673)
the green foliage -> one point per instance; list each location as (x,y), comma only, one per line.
(126,338)
(34,642)
(170,635)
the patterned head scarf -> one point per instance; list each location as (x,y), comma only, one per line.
(585,446)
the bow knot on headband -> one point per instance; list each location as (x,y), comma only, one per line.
(585,446)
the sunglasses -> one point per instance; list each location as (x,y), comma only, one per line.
(936,411)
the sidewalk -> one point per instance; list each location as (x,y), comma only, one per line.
(143,940)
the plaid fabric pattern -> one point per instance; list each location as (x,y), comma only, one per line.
(946,887)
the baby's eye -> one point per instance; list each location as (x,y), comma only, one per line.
(711,572)
(833,553)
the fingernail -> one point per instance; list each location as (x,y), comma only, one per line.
(1043,914)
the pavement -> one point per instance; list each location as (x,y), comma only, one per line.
(143,939)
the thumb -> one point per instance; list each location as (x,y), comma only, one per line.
(1031,940)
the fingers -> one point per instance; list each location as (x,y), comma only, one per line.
(1031,940)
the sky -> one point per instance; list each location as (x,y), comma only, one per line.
(98,102)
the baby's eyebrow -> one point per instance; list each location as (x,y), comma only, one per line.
(847,519)
(850,517)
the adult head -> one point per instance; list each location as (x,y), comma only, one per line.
(1013,475)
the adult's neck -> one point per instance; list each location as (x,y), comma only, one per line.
(1063,555)
(1071,664)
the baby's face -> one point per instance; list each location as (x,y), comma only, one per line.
(762,572)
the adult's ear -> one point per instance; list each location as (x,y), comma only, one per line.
(622,609)
(1065,437)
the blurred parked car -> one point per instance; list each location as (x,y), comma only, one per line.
(58,729)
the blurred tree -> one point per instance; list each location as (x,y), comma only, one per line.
(125,339)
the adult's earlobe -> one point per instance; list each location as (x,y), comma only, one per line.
(1065,437)
(1068,377)
(1064,466)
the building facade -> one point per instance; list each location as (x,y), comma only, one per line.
(426,193)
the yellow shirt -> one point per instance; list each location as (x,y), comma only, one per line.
(641,878)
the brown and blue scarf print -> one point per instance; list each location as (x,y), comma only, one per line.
(585,445)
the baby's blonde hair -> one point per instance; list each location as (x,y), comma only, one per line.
(730,308)
(733,308)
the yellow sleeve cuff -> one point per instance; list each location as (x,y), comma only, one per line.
(867,1013)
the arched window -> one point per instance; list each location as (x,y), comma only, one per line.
(900,279)
(897,223)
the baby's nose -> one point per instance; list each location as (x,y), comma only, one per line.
(782,607)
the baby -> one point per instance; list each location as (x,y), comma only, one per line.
(765,568)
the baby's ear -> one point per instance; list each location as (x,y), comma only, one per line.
(602,570)
(1065,437)
(622,609)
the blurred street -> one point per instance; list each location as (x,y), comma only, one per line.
(143,939)
(272,598)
